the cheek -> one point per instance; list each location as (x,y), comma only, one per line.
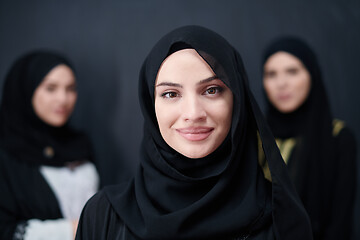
(40,102)
(164,115)
(303,87)
(222,112)
(72,99)
(269,88)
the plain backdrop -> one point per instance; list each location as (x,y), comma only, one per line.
(108,40)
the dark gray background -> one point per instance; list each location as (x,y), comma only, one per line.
(108,40)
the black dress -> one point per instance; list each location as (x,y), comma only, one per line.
(221,196)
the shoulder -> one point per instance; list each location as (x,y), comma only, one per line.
(96,204)
(343,134)
(92,223)
(9,163)
(98,219)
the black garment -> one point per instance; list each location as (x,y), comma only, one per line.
(221,196)
(23,138)
(22,133)
(322,166)
(25,195)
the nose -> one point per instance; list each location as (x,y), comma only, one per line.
(193,109)
(62,96)
(282,81)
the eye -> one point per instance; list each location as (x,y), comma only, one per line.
(269,74)
(72,88)
(50,88)
(213,90)
(169,95)
(293,71)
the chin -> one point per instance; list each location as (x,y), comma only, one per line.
(286,109)
(195,154)
(56,123)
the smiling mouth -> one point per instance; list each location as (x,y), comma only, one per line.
(195,134)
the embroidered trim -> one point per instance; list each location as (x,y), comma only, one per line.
(338,125)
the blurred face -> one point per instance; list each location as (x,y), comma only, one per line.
(54,99)
(286,81)
(193,107)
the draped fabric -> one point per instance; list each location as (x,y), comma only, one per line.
(315,164)
(221,196)
(22,133)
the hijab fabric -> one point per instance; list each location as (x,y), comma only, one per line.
(312,122)
(221,196)
(22,133)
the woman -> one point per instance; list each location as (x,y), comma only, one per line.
(319,150)
(199,176)
(46,173)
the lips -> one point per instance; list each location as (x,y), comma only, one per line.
(61,111)
(284,97)
(195,133)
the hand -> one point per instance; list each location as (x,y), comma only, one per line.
(75,225)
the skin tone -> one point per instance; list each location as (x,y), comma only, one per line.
(286,81)
(54,99)
(193,107)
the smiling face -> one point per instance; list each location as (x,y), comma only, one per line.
(193,107)
(286,81)
(54,99)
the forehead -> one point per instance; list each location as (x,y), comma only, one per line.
(60,74)
(280,59)
(184,63)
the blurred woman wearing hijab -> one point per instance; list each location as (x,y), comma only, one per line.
(318,149)
(199,176)
(46,169)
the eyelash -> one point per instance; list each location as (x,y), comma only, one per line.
(217,89)
(166,94)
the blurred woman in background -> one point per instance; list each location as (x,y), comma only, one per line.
(46,168)
(320,151)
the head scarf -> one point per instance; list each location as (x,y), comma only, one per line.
(22,133)
(221,196)
(312,122)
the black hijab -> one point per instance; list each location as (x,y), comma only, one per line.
(311,123)
(22,133)
(223,195)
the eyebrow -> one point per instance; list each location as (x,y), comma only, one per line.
(170,84)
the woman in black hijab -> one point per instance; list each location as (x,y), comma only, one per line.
(319,151)
(199,176)
(46,173)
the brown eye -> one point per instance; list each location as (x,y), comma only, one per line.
(170,95)
(213,90)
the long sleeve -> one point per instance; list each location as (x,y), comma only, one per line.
(343,198)
(35,202)
(60,229)
(24,195)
